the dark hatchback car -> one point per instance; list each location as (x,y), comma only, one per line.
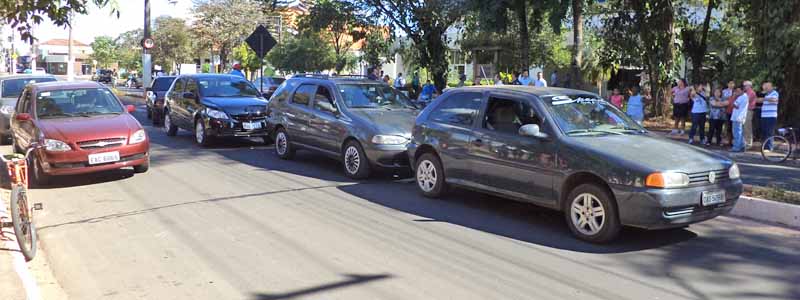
(154,97)
(570,151)
(215,106)
(365,124)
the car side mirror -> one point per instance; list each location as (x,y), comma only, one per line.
(532,130)
(130,108)
(23,117)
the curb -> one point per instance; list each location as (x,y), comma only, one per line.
(767,211)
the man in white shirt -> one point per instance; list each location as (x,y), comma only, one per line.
(769,111)
(400,82)
(738,118)
(525,79)
(540,81)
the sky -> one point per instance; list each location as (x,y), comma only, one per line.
(99,22)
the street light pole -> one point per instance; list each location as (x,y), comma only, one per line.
(146,63)
(70,57)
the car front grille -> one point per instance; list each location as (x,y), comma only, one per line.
(102,143)
(700,178)
(249,117)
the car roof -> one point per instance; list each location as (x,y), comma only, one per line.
(351,79)
(19,76)
(536,91)
(65,85)
(166,77)
(211,75)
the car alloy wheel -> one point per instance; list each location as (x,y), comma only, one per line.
(200,133)
(352,160)
(281,143)
(167,122)
(426,176)
(587,214)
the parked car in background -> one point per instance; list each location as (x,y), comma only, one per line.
(11,87)
(154,97)
(215,106)
(84,128)
(268,85)
(571,151)
(104,76)
(363,123)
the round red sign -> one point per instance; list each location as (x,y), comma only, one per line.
(148,43)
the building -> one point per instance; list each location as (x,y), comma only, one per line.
(54,55)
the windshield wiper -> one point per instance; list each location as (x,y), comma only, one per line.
(91,113)
(57,115)
(592,130)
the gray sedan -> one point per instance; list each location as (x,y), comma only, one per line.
(10,88)
(570,151)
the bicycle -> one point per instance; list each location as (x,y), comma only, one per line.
(21,212)
(783,145)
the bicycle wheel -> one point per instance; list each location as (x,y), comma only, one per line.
(23,223)
(781,149)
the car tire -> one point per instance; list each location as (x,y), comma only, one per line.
(267,140)
(158,119)
(201,135)
(591,214)
(149,113)
(283,146)
(36,175)
(169,128)
(354,161)
(143,167)
(429,175)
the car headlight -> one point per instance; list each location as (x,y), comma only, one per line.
(137,137)
(733,172)
(216,114)
(56,145)
(6,110)
(667,180)
(389,140)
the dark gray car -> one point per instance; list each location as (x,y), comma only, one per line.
(570,151)
(10,88)
(366,124)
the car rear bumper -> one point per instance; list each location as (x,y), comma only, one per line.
(670,208)
(387,156)
(77,161)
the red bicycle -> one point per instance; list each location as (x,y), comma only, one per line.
(21,212)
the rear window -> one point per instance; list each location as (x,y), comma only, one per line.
(277,80)
(13,87)
(162,83)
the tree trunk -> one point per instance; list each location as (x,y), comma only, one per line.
(699,54)
(789,108)
(524,34)
(577,50)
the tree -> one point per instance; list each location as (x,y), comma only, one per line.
(223,24)
(104,51)
(23,15)
(303,53)
(425,23)
(340,23)
(377,48)
(129,49)
(695,41)
(577,40)
(172,42)
(247,58)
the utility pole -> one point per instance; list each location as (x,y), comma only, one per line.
(70,57)
(146,63)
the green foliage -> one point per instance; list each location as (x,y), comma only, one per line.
(172,45)
(223,24)
(340,23)
(247,58)
(104,51)
(303,53)
(377,48)
(129,49)
(23,15)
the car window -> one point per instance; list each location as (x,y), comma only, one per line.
(303,94)
(508,115)
(323,101)
(284,90)
(458,109)
(227,86)
(179,85)
(589,115)
(370,95)
(77,102)
(162,83)
(191,87)
(13,87)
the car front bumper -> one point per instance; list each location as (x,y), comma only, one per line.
(77,161)
(387,156)
(670,208)
(234,128)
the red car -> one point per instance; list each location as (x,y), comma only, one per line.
(82,127)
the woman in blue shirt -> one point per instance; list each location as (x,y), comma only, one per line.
(635,106)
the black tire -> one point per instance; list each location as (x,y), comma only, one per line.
(24,229)
(355,161)
(201,136)
(429,174)
(157,118)
(781,149)
(143,167)
(37,177)
(283,146)
(595,218)
(169,128)
(149,113)
(267,140)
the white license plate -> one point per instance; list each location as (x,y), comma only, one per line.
(251,125)
(105,157)
(711,198)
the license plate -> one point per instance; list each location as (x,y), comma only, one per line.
(711,198)
(105,157)
(251,125)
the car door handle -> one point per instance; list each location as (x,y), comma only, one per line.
(477,142)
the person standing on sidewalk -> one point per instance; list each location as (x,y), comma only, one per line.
(727,95)
(769,111)
(738,119)
(635,106)
(680,106)
(751,106)
(699,111)
(717,116)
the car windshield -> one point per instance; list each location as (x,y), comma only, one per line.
(373,96)
(228,86)
(13,87)
(162,83)
(589,115)
(77,102)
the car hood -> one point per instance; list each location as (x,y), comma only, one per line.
(89,128)
(653,153)
(237,105)
(384,121)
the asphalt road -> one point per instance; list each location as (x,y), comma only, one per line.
(235,222)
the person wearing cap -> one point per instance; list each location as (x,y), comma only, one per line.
(237,70)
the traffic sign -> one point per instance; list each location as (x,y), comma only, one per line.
(148,43)
(261,41)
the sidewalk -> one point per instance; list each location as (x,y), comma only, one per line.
(11,260)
